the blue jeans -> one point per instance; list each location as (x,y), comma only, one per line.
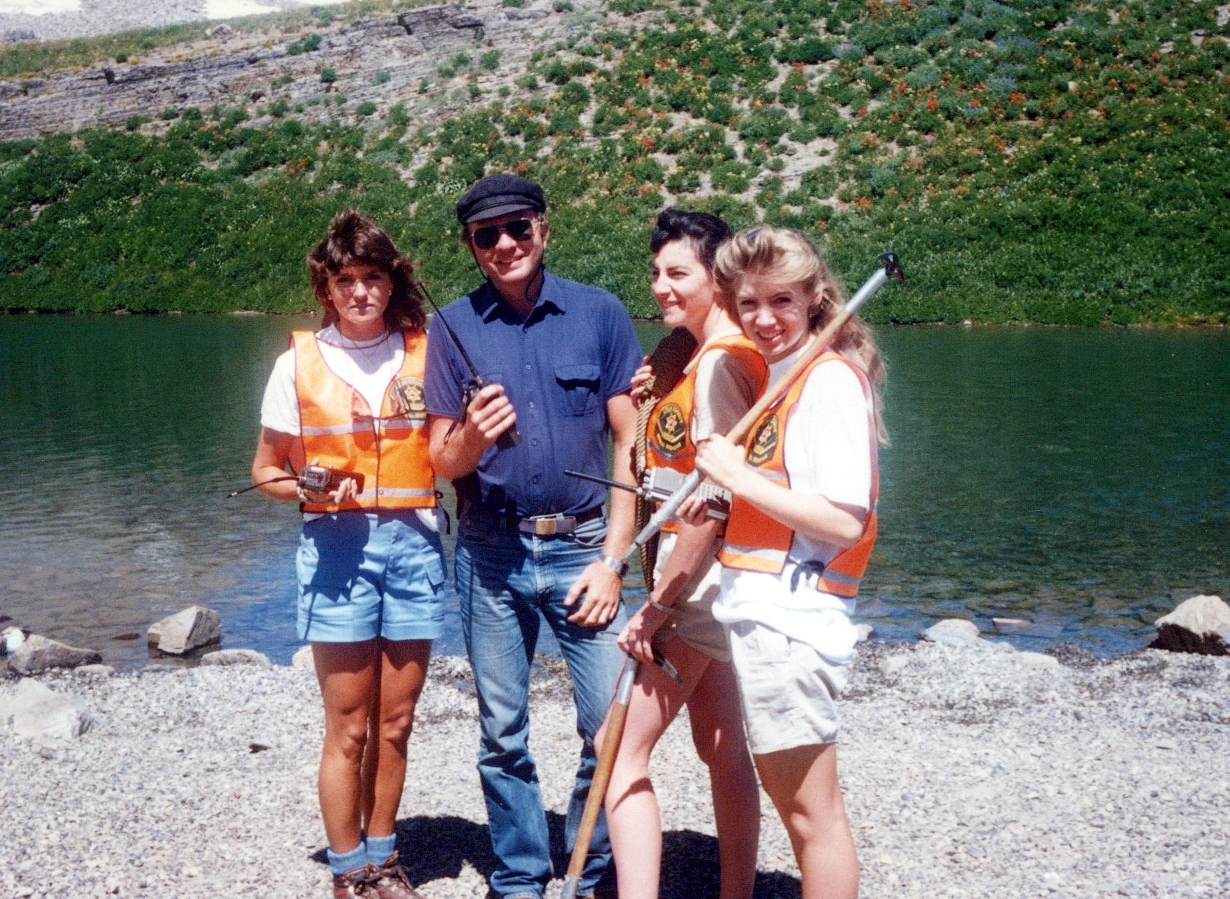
(504,579)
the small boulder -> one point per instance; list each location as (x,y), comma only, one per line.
(185,631)
(236,657)
(41,714)
(223,31)
(94,671)
(38,653)
(303,658)
(1200,625)
(865,632)
(953,632)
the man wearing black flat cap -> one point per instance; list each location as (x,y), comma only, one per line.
(558,358)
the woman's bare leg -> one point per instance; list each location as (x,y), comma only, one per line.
(802,782)
(632,813)
(346,673)
(717,732)
(403,670)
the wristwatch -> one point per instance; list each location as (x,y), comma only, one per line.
(619,566)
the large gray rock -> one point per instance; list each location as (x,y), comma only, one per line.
(303,658)
(236,657)
(185,631)
(953,632)
(1200,625)
(38,653)
(39,713)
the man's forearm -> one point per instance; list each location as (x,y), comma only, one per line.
(456,457)
(622,522)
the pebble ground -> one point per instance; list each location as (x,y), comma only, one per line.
(968,772)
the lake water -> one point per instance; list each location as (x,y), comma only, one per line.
(1079,480)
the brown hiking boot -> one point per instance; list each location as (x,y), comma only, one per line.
(356,883)
(394,882)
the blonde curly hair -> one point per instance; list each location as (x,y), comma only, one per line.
(785,256)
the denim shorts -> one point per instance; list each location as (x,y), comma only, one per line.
(364,575)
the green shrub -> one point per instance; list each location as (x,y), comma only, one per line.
(808,51)
(364,109)
(328,75)
(381,76)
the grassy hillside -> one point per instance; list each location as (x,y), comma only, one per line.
(1035,160)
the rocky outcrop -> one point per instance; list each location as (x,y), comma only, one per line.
(1200,625)
(241,70)
(39,653)
(194,627)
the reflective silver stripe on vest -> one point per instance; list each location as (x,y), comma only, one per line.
(776,556)
(396,493)
(777,477)
(838,577)
(401,424)
(352,428)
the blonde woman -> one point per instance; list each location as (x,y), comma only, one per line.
(800,531)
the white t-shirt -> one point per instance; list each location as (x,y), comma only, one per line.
(827,452)
(368,368)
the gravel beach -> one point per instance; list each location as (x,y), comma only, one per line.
(972,771)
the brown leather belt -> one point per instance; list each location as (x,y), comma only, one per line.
(556,525)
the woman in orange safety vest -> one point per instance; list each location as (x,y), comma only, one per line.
(798,537)
(720,383)
(349,398)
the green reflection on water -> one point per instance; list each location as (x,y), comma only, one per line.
(1078,479)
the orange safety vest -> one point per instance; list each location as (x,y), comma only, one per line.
(338,429)
(668,441)
(757,542)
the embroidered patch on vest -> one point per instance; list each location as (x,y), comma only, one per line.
(764,442)
(408,399)
(670,430)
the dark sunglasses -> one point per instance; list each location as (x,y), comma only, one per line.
(488,236)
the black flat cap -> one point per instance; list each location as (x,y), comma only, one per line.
(495,195)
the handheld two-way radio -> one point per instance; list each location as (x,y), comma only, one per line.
(313,477)
(509,438)
(659,484)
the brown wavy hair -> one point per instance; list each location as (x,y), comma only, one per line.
(354,238)
(786,256)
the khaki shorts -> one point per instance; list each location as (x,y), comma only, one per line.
(787,690)
(692,614)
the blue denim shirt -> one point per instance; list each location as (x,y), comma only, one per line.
(576,350)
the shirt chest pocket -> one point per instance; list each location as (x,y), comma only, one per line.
(579,388)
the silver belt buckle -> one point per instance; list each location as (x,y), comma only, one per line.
(549,525)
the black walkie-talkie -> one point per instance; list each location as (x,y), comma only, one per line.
(509,438)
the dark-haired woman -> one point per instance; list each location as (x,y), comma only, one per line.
(721,382)
(350,397)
